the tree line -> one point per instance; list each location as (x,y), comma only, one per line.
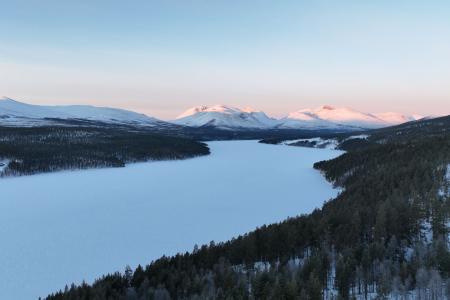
(45,149)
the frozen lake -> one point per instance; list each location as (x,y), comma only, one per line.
(65,227)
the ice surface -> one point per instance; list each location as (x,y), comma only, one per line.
(65,227)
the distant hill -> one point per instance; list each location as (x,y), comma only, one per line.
(331,117)
(324,117)
(15,113)
(225,117)
(426,127)
(220,117)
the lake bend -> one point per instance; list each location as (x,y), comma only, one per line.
(70,226)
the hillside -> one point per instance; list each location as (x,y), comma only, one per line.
(15,113)
(26,151)
(361,139)
(386,234)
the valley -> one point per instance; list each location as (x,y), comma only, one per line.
(77,225)
(161,192)
(385,234)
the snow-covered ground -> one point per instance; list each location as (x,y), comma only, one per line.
(359,136)
(318,142)
(68,226)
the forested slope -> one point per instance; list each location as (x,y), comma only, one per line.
(386,234)
(32,150)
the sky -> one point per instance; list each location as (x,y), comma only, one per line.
(162,57)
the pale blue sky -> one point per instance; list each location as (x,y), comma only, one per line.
(161,57)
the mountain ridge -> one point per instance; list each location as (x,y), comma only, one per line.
(13,112)
(324,117)
(16,113)
(226,117)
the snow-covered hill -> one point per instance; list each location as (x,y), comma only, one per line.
(13,112)
(222,116)
(397,118)
(324,117)
(332,117)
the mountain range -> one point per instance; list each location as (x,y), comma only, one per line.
(324,117)
(15,113)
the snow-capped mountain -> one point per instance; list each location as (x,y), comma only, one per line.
(304,119)
(345,118)
(13,112)
(222,116)
(324,117)
(397,118)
